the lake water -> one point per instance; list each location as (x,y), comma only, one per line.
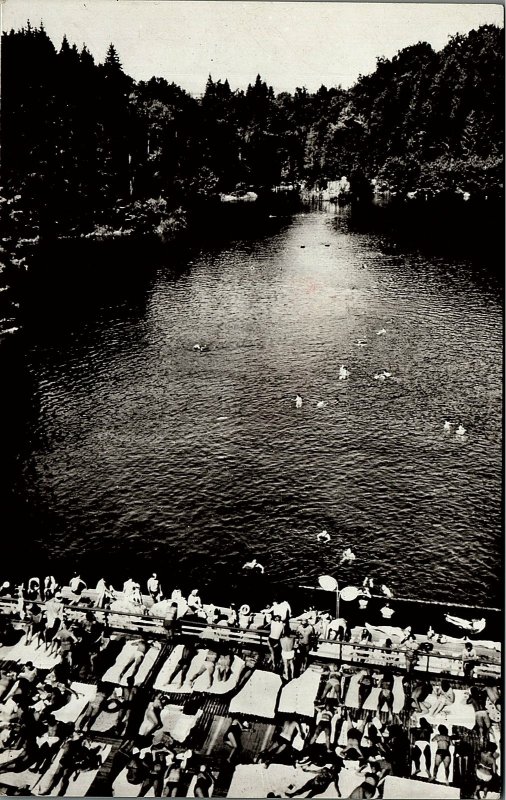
(136,452)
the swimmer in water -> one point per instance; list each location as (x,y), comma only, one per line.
(298,401)
(323,536)
(348,555)
(254,565)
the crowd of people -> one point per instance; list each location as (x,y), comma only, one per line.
(377,741)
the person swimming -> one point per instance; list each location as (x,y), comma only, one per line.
(348,555)
(254,564)
(323,536)
(298,401)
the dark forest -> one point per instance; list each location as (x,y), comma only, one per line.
(87,151)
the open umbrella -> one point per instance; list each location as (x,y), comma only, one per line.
(330,584)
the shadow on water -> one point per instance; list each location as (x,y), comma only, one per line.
(452,231)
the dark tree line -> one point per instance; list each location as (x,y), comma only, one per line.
(85,147)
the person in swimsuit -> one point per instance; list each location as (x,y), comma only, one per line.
(366,789)
(443,755)
(136,658)
(353,749)
(478,699)
(275,632)
(486,771)
(287,643)
(332,690)
(362,650)
(306,636)
(421,747)
(469,660)
(321,782)
(445,696)
(155,762)
(323,724)
(233,737)
(224,667)
(410,650)
(208,666)
(282,741)
(47,746)
(365,687)
(386,695)
(125,706)
(245,618)
(184,663)
(204,782)
(152,721)
(33,589)
(153,586)
(93,708)
(419,694)
(35,620)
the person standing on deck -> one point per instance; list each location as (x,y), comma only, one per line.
(170,620)
(153,586)
(76,584)
(306,635)
(410,650)
(194,601)
(469,660)
(443,754)
(287,643)
(387,611)
(281,609)
(275,631)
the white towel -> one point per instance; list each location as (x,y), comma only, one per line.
(351,699)
(178,724)
(113,673)
(37,655)
(399,695)
(75,706)
(401,788)
(298,696)
(202,683)
(258,697)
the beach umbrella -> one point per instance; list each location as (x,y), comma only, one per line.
(350,593)
(330,584)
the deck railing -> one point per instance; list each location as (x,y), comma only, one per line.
(355,653)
